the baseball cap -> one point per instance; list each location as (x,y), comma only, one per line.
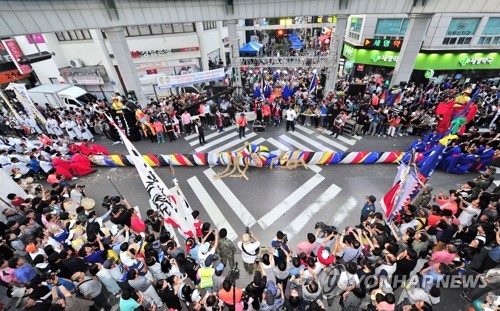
(372,198)
(108,263)
(205,247)
(30,247)
(220,267)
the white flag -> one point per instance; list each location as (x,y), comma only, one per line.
(178,214)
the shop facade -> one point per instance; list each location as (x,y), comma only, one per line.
(434,65)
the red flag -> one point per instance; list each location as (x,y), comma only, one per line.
(389,200)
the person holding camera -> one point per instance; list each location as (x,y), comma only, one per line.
(283,249)
(250,248)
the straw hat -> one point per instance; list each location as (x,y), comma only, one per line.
(88,204)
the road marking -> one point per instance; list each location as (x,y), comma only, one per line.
(311,142)
(304,129)
(302,220)
(213,135)
(333,143)
(295,143)
(233,143)
(327,132)
(216,142)
(356,137)
(231,199)
(344,211)
(346,140)
(212,210)
(278,144)
(189,137)
(290,201)
(496,182)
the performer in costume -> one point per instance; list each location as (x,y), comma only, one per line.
(450,158)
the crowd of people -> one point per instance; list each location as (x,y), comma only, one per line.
(59,253)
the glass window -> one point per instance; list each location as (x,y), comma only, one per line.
(463,26)
(446,41)
(487,40)
(461,40)
(177,28)
(188,27)
(72,35)
(356,24)
(495,40)
(492,26)
(391,26)
(481,40)
(467,40)
(453,40)
(167,28)
(155,29)
(86,34)
(133,31)
(144,30)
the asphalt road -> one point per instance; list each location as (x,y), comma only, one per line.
(272,200)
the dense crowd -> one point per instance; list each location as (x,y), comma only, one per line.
(59,253)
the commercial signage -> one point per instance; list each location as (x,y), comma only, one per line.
(425,60)
(91,75)
(161,52)
(35,38)
(383,44)
(87,80)
(11,76)
(429,73)
(16,53)
(349,64)
(190,79)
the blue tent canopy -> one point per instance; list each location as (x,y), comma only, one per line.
(251,47)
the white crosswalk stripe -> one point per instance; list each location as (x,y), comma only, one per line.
(347,140)
(332,142)
(213,135)
(231,199)
(230,146)
(294,143)
(191,136)
(212,209)
(496,182)
(344,211)
(290,201)
(317,146)
(217,141)
(303,218)
(276,143)
(304,129)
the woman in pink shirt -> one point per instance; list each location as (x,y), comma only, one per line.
(450,203)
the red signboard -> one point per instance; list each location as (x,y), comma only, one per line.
(360,67)
(12,76)
(38,38)
(16,53)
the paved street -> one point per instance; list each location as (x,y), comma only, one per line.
(276,199)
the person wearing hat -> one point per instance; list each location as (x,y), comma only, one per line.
(368,208)
(424,198)
(242,124)
(249,246)
(205,274)
(206,248)
(325,257)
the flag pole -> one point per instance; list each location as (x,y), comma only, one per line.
(109,178)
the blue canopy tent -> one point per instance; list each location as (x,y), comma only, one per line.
(251,48)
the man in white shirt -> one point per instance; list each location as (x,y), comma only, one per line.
(249,245)
(290,116)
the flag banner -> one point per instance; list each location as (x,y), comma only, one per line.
(404,185)
(160,198)
(23,97)
(191,78)
(312,87)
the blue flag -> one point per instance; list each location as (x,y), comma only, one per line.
(312,87)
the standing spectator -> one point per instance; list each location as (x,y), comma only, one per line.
(249,246)
(92,289)
(186,121)
(290,116)
(368,208)
(200,130)
(159,129)
(242,123)
(226,248)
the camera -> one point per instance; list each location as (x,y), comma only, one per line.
(234,273)
(326,228)
(81,186)
(247,230)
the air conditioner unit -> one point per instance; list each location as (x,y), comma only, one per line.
(76,63)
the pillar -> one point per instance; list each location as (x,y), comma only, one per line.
(222,53)
(415,34)
(336,42)
(203,49)
(235,53)
(103,52)
(126,66)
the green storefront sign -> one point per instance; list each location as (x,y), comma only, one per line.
(425,61)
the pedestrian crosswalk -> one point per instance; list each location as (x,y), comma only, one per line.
(217,198)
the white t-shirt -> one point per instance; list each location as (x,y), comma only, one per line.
(467,215)
(290,115)
(76,196)
(250,248)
